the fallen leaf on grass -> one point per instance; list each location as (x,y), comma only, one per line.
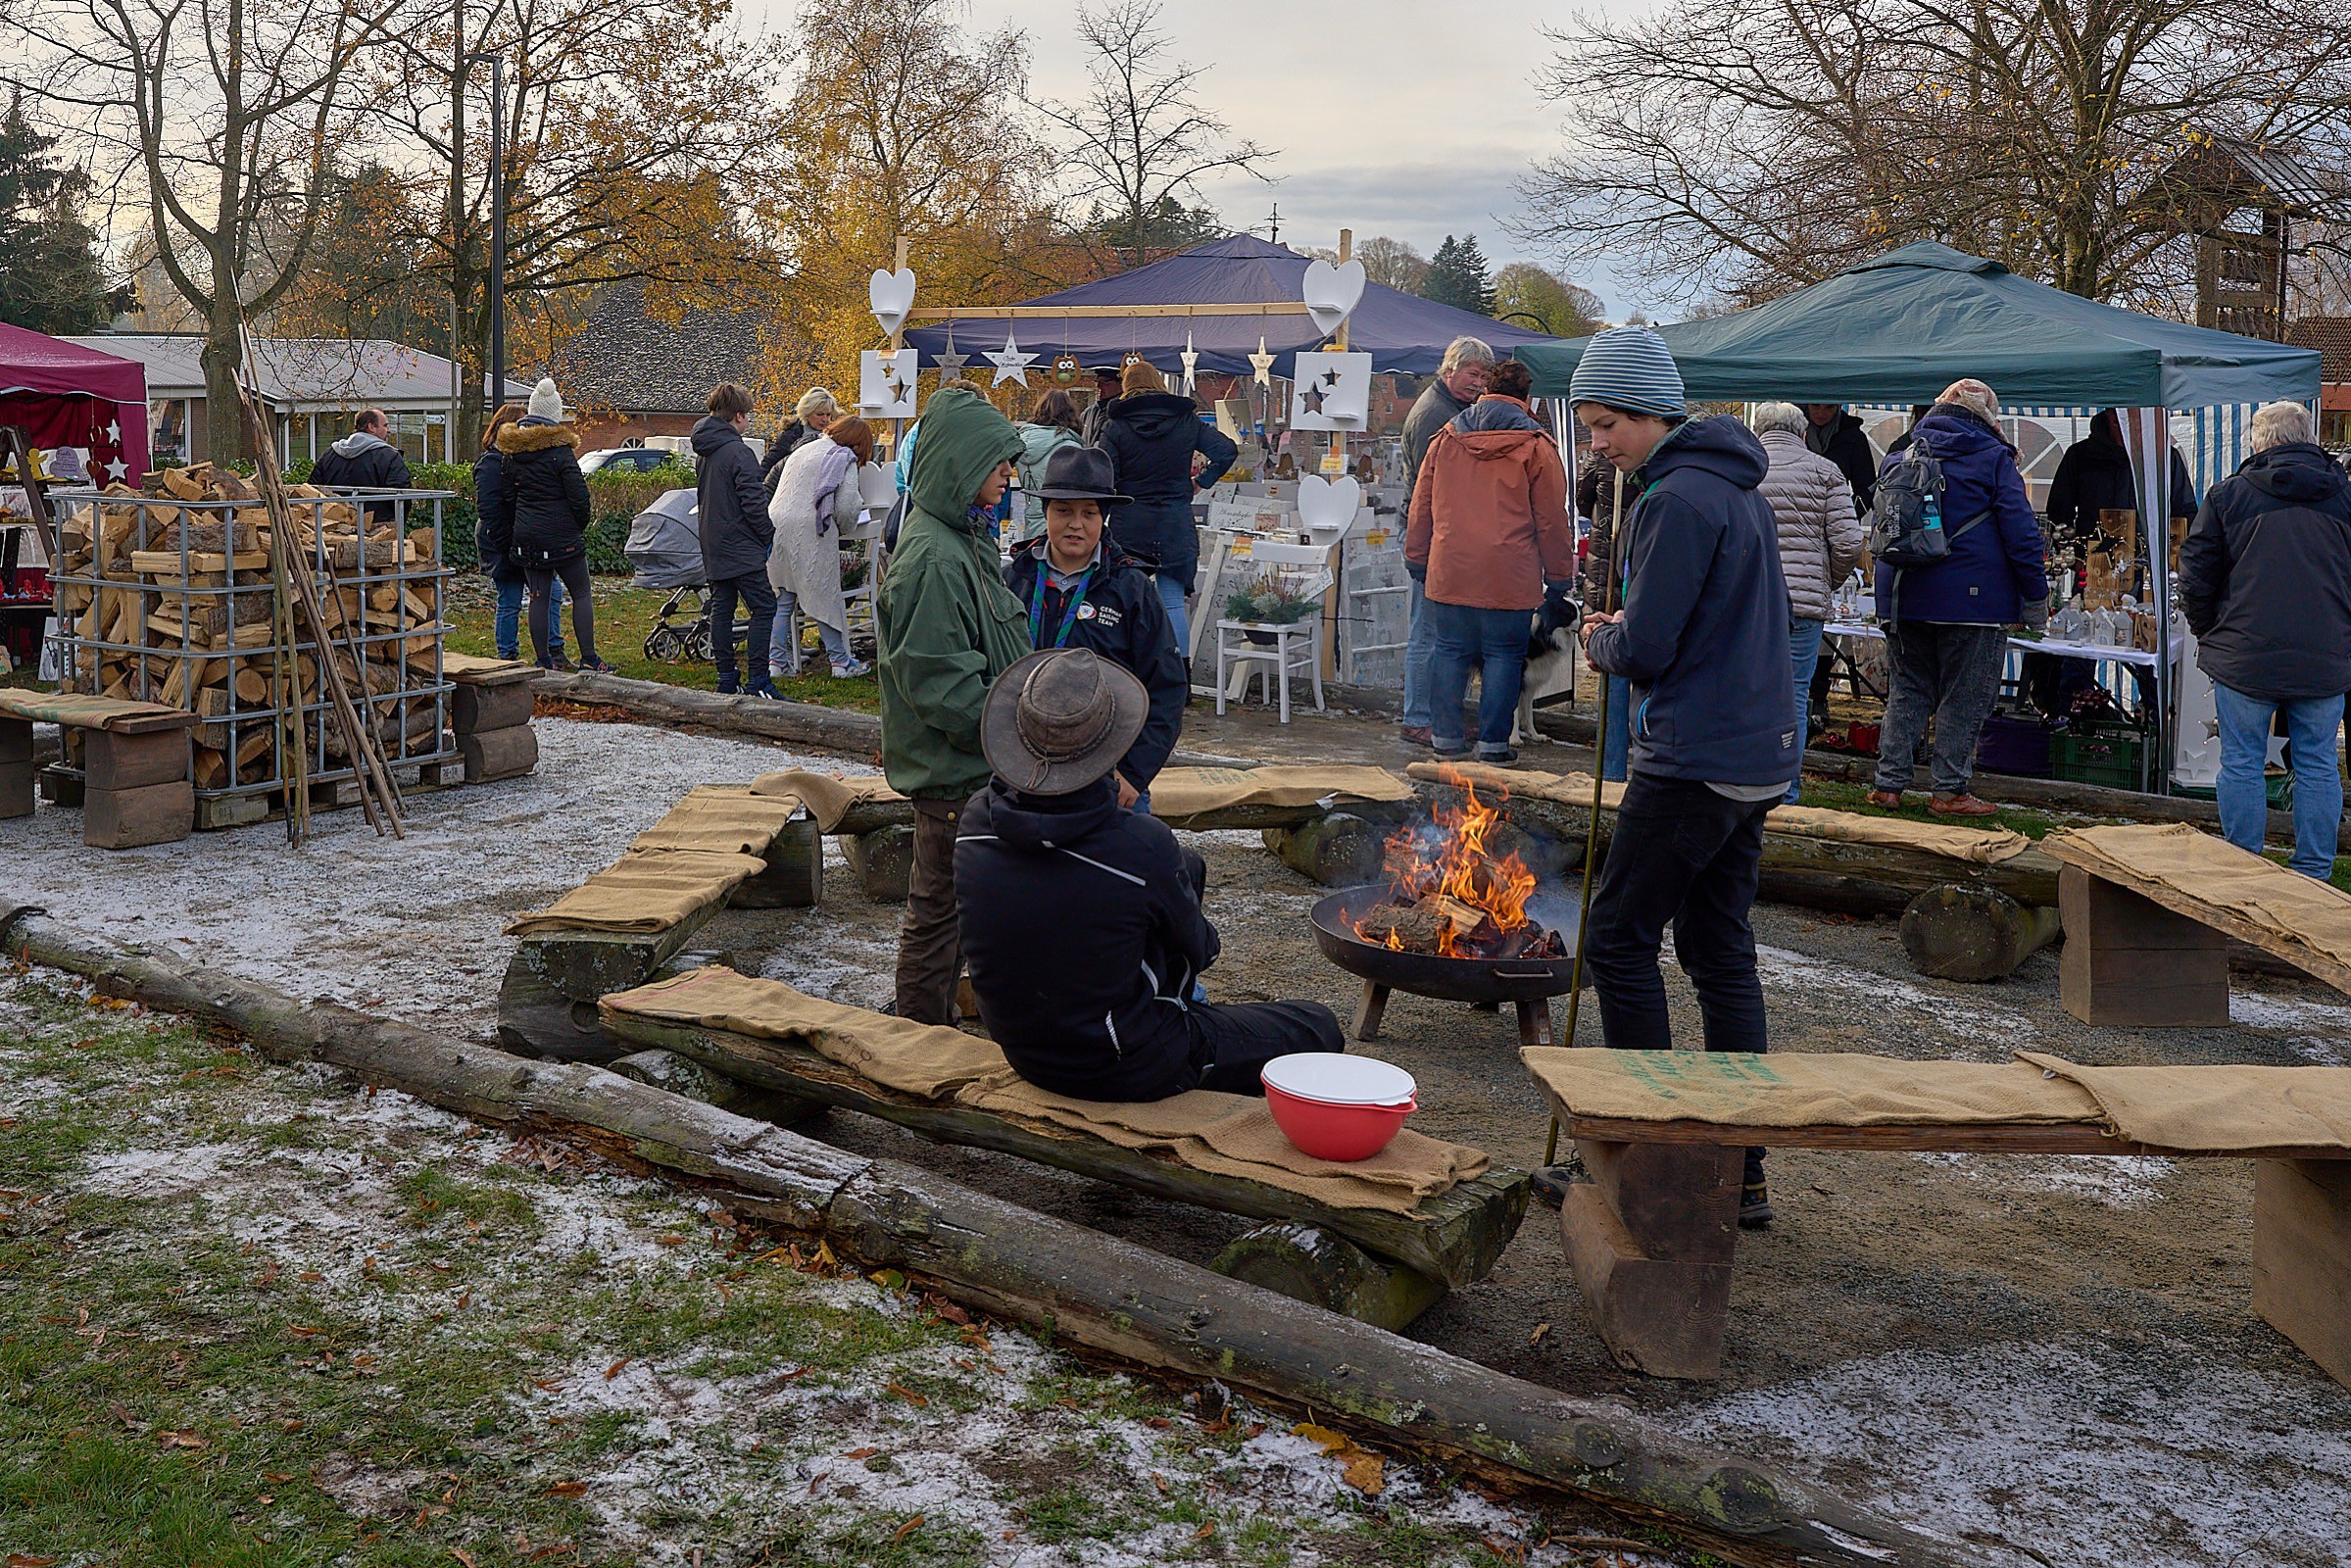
(614,1371)
(25,1559)
(462,1555)
(310,1277)
(907,1529)
(1162,1483)
(1359,1468)
(184,1440)
(554,1385)
(266,1499)
(908,1394)
(1507,1551)
(671,1239)
(567,1488)
(860,1454)
(124,1416)
(1205,1531)
(1159,1421)
(290,1426)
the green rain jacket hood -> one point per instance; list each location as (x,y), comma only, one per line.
(946,623)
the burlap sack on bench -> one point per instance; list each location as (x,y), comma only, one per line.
(644,893)
(469,670)
(1977,846)
(923,1059)
(720,816)
(1233,1135)
(2303,920)
(1181,792)
(827,797)
(78,710)
(2213,1109)
(1803,1089)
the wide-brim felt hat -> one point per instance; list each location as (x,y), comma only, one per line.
(1080,474)
(1060,719)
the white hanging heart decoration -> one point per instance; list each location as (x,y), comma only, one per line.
(1332,293)
(892,295)
(1327,506)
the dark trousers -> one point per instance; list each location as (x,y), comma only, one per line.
(1685,854)
(758,599)
(542,581)
(930,935)
(1948,673)
(1231,1042)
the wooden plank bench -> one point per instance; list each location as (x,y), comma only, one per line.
(1372,1264)
(133,781)
(1650,1237)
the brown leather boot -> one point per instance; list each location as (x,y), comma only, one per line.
(1892,798)
(1961,806)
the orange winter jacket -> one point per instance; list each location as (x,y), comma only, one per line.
(1490,519)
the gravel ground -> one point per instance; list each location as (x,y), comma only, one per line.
(2059,1354)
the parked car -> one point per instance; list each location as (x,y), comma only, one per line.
(622,460)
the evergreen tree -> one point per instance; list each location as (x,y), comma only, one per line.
(1457,276)
(49,277)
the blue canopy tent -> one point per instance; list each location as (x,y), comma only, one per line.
(1206,293)
(1901,329)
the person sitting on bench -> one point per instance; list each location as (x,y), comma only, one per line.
(1082,922)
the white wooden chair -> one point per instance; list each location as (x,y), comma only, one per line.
(1294,646)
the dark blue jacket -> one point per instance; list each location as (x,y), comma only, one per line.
(494,515)
(1124,620)
(1083,928)
(1150,438)
(1997,566)
(1704,633)
(2265,577)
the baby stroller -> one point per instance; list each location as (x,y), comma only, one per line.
(665,545)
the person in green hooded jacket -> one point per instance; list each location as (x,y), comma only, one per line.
(946,626)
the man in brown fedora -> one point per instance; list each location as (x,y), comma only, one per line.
(1082,921)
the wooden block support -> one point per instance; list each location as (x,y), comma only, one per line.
(214,812)
(60,786)
(1329,1271)
(474,708)
(795,874)
(151,814)
(15,739)
(2131,963)
(16,789)
(1651,1240)
(495,753)
(883,863)
(112,761)
(2302,1257)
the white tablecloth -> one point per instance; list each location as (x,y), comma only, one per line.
(2044,644)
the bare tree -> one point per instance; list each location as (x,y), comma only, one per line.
(1140,141)
(1758,145)
(1394,263)
(226,113)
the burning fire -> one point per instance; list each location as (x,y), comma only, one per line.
(1446,864)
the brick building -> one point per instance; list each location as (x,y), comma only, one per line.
(2331,335)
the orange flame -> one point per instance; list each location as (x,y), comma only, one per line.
(1463,870)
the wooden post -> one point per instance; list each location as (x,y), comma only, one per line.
(898,337)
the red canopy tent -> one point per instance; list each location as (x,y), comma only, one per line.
(68,396)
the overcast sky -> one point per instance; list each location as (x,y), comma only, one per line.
(1392,117)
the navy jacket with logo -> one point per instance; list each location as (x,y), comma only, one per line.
(1124,622)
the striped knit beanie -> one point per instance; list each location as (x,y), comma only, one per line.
(1629,368)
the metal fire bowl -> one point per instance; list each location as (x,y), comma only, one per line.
(1425,974)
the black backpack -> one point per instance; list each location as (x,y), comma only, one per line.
(1909,526)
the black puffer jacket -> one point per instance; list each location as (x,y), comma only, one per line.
(1150,438)
(1083,933)
(1122,618)
(2265,577)
(494,513)
(736,535)
(550,494)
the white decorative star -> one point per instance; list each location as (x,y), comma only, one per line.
(114,434)
(1261,364)
(951,366)
(1011,365)
(119,468)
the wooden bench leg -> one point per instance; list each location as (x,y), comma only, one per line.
(795,874)
(16,767)
(2132,962)
(1534,1022)
(1650,1238)
(2302,1257)
(1315,1265)
(883,861)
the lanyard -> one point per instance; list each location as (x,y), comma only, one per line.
(1069,613)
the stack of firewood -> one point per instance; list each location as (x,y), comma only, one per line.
(176,605)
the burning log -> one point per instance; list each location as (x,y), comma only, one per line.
(1452,893)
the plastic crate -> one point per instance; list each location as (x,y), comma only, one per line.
(2278,784)
(2013,746)
(2108,756)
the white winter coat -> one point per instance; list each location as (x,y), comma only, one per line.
(804,563)
(1819,537)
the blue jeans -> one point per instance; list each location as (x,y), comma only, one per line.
(782,656)
(1614,764)
(2311,724)
(1494,640)
(1171,594)
(506,627)
(1418,652)
(1803,652)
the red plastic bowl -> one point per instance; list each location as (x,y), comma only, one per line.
(1342,1133)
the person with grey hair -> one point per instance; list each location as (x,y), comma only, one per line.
(1461,380)
(364,459)
(1946,624)
(811,416)
(1820,538)
(2264,581)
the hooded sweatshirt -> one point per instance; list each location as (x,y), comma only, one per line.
(1084,935)
(364,461)
(945,624)
(736,534)
(1703,636)
(2265,577)
(1490,519)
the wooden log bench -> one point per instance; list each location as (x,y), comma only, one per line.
(491,712)
(1650,1236)
(1373,1264)
(133,783)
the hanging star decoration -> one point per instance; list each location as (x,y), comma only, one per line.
(1011,365)
(1261,364)
(1190,361)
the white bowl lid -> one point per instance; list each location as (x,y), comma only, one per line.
(1341,1079)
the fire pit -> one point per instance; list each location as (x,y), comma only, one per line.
(1456,921)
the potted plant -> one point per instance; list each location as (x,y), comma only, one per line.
(1267,603)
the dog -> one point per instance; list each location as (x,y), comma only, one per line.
(1551,657)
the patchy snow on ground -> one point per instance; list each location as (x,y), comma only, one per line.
(408,926)
(2124,1181)
(2032,1443)
(2320,1032)
(1997,1029)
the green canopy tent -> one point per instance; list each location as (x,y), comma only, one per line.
(1901,329)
